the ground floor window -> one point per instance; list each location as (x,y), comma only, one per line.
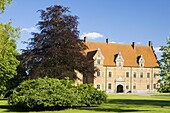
(109,86)
(154,86)
(127,86)
(148,86)
(134,86)
(98,86)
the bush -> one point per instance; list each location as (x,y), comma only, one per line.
(90,95)
(47,93)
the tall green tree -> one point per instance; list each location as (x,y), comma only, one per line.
(165,68)
(8,61)
(57,50)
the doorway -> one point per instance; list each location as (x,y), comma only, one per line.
(119,89)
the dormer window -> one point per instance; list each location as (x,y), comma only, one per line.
(98,57)
(141,61)
(98,61)
(119,60)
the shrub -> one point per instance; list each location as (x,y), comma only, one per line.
(90,95)
(50,93)
(46,93)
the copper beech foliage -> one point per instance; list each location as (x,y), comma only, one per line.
(56,51)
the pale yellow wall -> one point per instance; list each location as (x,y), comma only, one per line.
(117,72)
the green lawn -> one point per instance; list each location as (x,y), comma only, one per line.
(121,103)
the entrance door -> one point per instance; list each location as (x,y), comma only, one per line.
(119,89)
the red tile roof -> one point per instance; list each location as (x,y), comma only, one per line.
(129,54)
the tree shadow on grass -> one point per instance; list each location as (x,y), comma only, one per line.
(124,103)
(110,109)
(10,108)
(160,103)
(110,102)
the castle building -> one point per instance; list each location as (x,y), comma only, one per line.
(123,68)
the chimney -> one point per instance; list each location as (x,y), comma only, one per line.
(133,45)
(150,43)
(85,39)
(107,40)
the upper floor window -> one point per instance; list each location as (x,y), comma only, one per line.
(98,61)
(141,74)
(141,61)
(99,55)
(98,73)
(155,75)
(109,86)
(119,60)
(110,74)
(120,64)
(134,74)
(127,74)
(148,75)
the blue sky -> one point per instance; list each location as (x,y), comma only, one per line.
(122,21)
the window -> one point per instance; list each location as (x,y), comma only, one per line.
(134,74)
(127,74)
(98,74)
(141,64)
(127,86)
(110,74)
(98,86)
(99,55)
(148,86)
(109,86)
(154,86)
(134,86)
(98,61)
(119,64)
(141,74)
(148,75)
(155,75)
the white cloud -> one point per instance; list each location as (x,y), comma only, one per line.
(138,43)
(29,30)
(113,42)
(157,49)
(92,35)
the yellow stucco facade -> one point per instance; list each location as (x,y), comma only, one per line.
(123,68)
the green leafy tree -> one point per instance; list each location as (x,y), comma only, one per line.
(57,50)
(3,4)
(165,68)
(8,61)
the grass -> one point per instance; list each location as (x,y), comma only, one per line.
(122,103)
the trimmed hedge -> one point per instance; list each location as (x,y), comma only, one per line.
(49,93)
